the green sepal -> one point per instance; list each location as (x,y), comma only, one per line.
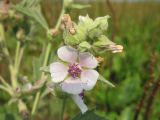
(102,41)
(102,79)
(85,21)
(102,22)
(98,27)
(94,33)
(83,46)
(75,39)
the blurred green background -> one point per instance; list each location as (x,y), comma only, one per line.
(135,71)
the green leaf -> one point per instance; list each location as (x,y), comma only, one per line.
(32,9)
(45,69)
(9,117)
(79,6)
(101,78)
(2,37)
(89,115)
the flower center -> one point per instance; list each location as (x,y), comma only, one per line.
(74,70)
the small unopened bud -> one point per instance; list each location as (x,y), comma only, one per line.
(68,24)
(100,59)
(23,110)
(115,48)
(20,34)
(53,32)
(27,87)
(83,46)
(72,30)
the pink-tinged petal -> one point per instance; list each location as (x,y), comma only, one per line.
(87,60)
(67,54)
(90,77)
(58,71)
(80,103)
(72,86)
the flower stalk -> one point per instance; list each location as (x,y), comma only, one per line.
(47,52)
(63,108)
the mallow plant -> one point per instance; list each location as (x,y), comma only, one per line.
(74,70)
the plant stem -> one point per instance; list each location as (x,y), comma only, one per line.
(60,18)
(63,108)
(4,82)
(35,103)
(6,89)
(17,54)
(20,57)
(14,69)
(48,49)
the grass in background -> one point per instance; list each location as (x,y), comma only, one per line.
(136,27)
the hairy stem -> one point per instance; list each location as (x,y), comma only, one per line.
(6,89)
(48,49)
(35,103)
(17,54)
(4,82)
(63,108)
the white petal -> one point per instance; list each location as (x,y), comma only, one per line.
(90,77)
(87,60)
(58,71)
(72,86)
(80,103)
(67,54)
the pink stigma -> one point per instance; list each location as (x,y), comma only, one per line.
(74,70)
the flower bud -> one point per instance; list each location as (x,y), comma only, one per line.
(102,22)
(97,28)
(104,43)
(83,46)
(23,110)
(20,34)
(115,48)
(52,32)
(68,24)
(100,59)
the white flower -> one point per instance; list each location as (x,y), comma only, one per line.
(75,73)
